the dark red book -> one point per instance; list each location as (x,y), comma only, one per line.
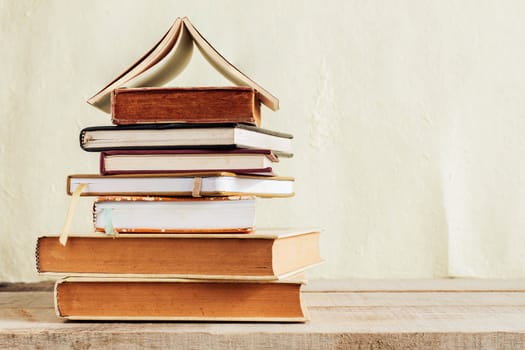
(185,105)
(239,161)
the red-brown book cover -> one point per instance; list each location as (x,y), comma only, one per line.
(230,104)
(145,155)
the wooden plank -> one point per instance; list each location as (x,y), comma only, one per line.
(484,319)
(340,299)
(356,285)
(414,285)
(26,287)
(203,340)
(33,300)
(386,319)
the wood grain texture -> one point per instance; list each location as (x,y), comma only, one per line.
(488,315)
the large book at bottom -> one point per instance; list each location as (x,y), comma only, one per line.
(264,254)
(78,298)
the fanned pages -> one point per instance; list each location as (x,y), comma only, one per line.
(170,66)
(168,58)
(166,45)
(227,69)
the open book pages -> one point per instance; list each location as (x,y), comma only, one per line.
(168,58)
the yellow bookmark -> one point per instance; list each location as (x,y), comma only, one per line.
(70,211)
(197,187)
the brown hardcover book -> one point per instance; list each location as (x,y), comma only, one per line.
(185,105)
(263,255)
(171,299)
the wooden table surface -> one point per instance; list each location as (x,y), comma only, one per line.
(345,314)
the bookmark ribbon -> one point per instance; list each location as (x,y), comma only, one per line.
(70,212)
(197,186)
(108,222)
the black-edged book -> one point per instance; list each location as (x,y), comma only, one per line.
(184,136)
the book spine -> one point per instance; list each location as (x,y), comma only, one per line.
(56,298)
(268,171)
(185,105)
(94,211)
(37,255)
(82,139)
(256,110)
(68,185)
(102,163)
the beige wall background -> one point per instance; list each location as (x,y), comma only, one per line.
(408,116)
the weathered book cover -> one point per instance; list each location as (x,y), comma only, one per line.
(157,299)
(185,105)
(261,255)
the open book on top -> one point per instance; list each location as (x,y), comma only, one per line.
(168,58)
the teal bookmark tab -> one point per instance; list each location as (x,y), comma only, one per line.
(108,222)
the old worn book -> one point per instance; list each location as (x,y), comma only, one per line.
(201,184)
(261,255)
(168,58)
(231,104)
(156,299)
(128,214)
(239,161)
(184,135)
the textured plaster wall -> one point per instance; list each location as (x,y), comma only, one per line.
(408,116)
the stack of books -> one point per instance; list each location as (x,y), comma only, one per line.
(174,214)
